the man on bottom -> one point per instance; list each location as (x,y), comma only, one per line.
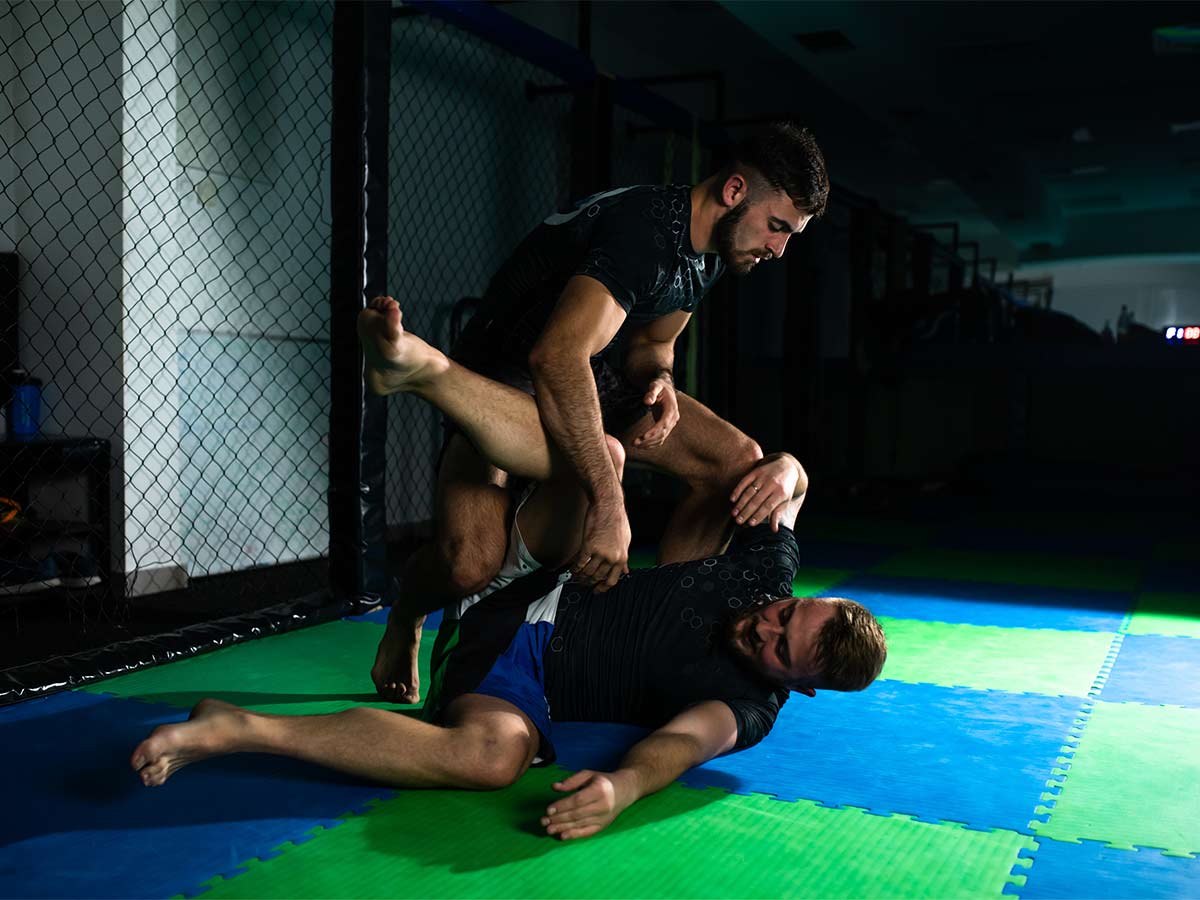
(704,652)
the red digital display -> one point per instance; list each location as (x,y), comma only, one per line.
(1182,334)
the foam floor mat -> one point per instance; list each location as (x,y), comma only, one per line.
(78,822)
(678,843)
(1033,735)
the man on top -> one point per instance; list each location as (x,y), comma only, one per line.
(703,652)
(633,264)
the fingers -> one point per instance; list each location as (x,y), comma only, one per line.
(759,506)
(776,516)
(600,573)
(572,782)
(583,813)
(745,486)
(661,395)
(585,566)
(657,434)
(610,580)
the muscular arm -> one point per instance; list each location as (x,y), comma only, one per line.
(694,736)
(584,321)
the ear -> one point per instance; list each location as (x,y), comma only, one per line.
(734,190)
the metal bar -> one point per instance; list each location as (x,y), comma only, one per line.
(361,74)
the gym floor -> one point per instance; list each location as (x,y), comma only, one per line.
(1033,734)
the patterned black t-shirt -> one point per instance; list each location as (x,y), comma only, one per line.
(636,241)
(656,643)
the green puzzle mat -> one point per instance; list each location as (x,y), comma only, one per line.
(1044,569)
(702,844)
(989,657)
(1167,614)
(314,670)
(1130,760)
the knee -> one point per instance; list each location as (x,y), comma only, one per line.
(727,468)
(617,451)
(469,566)
(493,763)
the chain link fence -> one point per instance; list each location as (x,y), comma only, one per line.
(476,163)
(166,331)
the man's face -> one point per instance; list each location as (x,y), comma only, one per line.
(779,640)
(757,229)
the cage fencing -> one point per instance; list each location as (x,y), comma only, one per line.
(167,233)
(475,163)
(165,328)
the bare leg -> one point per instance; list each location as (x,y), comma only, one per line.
(487,743)
(711,456)
(472,512)
(472,507)
(501,421)
(551,520)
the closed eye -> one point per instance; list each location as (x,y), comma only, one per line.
(781,648)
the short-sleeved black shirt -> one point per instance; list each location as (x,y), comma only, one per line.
(655,644)
(636,241)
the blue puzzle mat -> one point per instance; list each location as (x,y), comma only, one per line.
(977,603)
(981,758)
(1156,670)
(1092,869)
(79,823)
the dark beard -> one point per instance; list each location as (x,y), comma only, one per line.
(723,238)
(730,625)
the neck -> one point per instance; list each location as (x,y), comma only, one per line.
(705,213)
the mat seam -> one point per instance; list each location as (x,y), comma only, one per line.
(1055,784)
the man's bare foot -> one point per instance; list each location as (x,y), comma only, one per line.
(396,360)
(212,728)
(395,671)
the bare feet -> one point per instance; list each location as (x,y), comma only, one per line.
(212,728)
(395,671)
(396,360)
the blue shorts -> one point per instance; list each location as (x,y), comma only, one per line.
(493,643)
(514,676)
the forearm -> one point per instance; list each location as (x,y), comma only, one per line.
(570,412)
(647,360)
(656,761)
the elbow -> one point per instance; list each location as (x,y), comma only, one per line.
(537,359)
(544,357)
(802,481)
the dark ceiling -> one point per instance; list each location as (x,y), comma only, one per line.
(1063,129)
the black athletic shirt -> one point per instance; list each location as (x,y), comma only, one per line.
(636,241)
(655,644)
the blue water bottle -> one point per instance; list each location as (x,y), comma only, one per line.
(25,405)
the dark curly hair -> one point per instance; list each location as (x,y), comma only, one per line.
(787,157)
